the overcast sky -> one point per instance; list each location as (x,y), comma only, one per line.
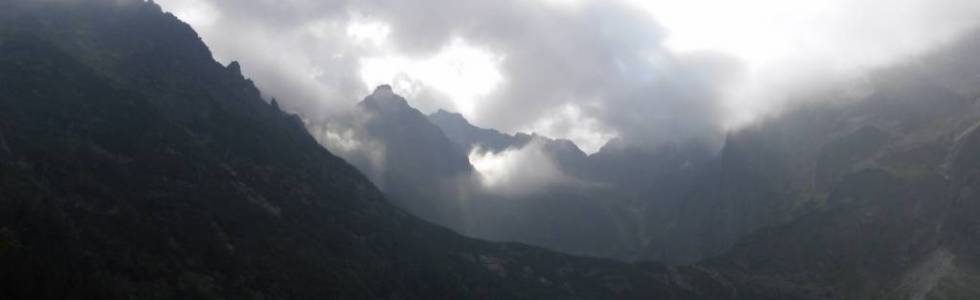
(645,71)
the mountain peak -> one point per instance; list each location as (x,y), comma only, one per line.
(383,90)
(384,100)
(234,67)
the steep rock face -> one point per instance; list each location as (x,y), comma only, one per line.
(134,166)
(840,155)
(422,171)
(879,236)
(896,219)
(879,228)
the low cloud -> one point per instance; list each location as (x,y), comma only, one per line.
(517,172)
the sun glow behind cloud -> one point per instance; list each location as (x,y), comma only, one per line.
(783,43)
(463,72)
(571,123)
(517,171)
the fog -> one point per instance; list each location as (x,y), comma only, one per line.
(517,172)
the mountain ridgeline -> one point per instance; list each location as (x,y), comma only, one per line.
(682,203)
(133,165)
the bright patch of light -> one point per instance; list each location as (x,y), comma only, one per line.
(345,141)
(515,172)
(494,167)
(751,29)
(375,33)
(461,71)
(778,40)
(198,13)
(569,122)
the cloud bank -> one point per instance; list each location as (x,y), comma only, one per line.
(578,69)
(518,172)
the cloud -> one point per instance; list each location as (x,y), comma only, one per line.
(526,65)
(570,122)
(792,48)
(517,172)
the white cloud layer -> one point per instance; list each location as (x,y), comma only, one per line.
(647,71)
(517,172)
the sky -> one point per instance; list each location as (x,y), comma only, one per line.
(646,72)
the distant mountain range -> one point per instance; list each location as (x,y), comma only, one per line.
(897,134)
(638,204)
(132,165)
(682,203)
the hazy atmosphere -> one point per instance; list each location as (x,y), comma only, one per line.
(490,149)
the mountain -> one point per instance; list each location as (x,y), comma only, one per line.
(427,172)
(132,165)
(660,204)
(676,203)
(683,203)
(891,211)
